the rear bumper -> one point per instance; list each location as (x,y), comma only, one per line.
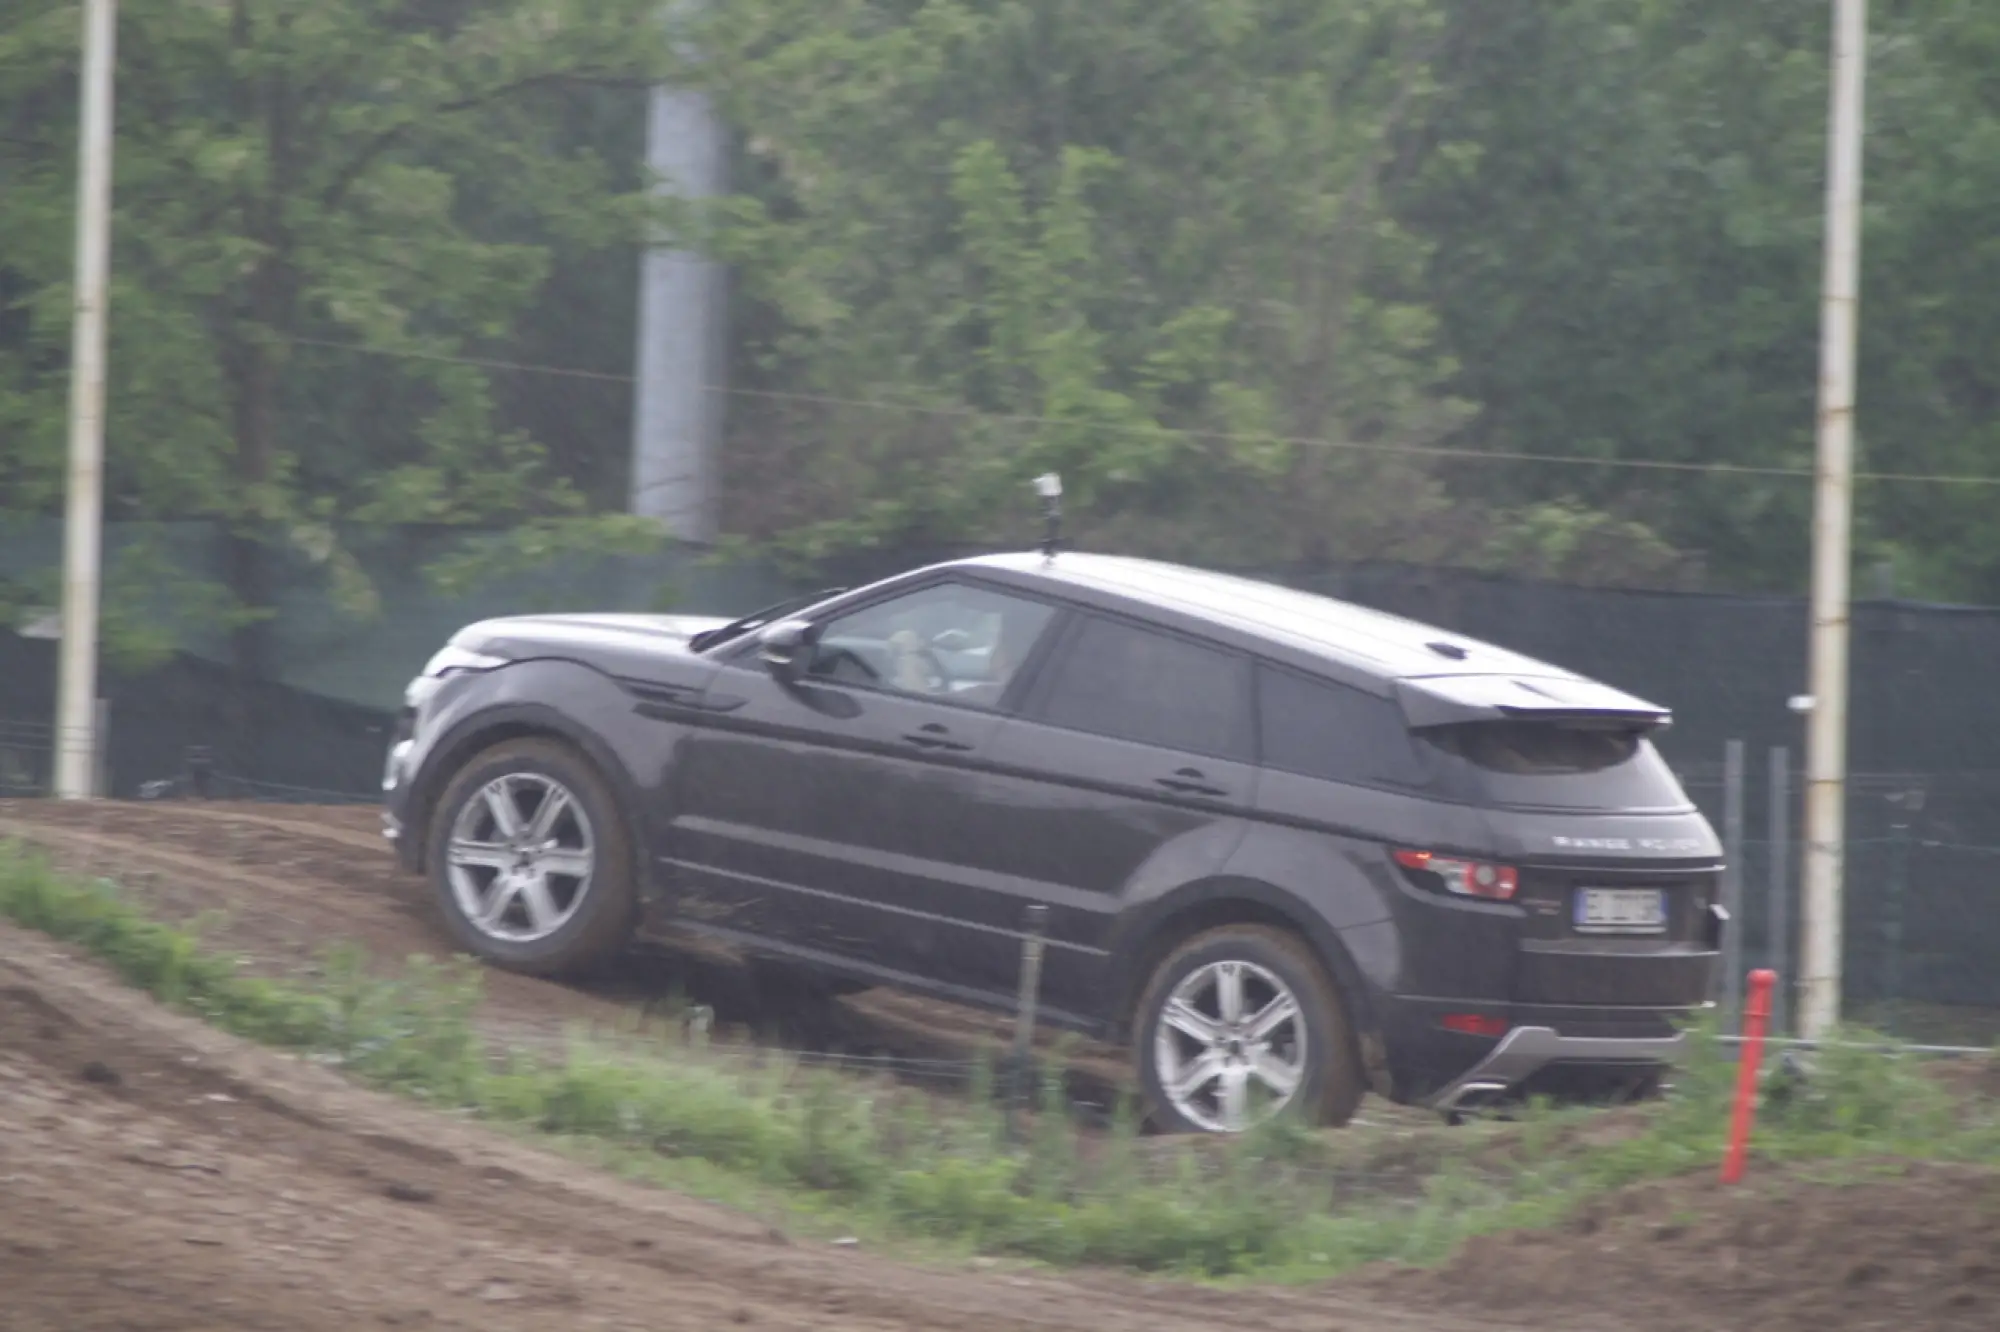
(1577,1018)
(1527,1054)
(1566,1051)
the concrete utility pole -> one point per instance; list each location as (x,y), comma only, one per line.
(1833,507)
(682,359)
(83,529)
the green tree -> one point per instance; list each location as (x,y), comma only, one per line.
(324,209)
(1234,268)
(1147,245)
(1626,262)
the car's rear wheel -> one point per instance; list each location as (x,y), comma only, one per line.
(1239,1023)
(531,864)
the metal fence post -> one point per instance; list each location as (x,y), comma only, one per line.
(1025,1002)
(100,765)
(200,763)
(1732,883)
(1904,805)
(1780,950)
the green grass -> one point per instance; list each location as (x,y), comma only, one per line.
(869,1158)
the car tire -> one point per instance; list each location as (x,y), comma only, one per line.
(1313,1043)
(574,922)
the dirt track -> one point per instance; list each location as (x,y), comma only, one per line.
(1915,1246)
(155,1174)
(277,883)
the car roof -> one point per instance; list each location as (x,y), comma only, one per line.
(1370,641)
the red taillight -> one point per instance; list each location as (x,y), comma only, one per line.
(1474,1024)
(1467,878)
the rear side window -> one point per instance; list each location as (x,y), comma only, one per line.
(1317,728)
(1128,683)
(1547,765)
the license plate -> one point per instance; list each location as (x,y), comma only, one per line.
(1621,910)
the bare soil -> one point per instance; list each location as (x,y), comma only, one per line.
(156,1174)
(1881,1245)
(277,883)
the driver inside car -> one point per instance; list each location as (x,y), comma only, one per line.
(967,653)
(916,668)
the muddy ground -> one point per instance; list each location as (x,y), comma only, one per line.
(156,1174)
(1900,1245)
(278,883)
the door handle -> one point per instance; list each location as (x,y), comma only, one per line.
(1191,781)
(935,736)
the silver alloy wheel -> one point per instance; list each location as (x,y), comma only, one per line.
(1228,1028)
(520,857)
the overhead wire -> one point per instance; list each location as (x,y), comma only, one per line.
(1667,465)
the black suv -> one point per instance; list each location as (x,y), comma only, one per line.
(1289,849)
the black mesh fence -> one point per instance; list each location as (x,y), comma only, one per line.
(1923,874)
(1922,881)
(190,712)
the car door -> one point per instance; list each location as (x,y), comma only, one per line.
(834,816)
(1129,770)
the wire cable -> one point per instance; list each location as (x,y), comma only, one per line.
(1216,436)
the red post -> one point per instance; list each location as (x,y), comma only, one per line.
(1756,1012)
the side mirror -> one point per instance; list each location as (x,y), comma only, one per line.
(784,647)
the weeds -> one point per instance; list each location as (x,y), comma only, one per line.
(1279,1201)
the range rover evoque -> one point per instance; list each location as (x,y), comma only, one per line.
(1288,849)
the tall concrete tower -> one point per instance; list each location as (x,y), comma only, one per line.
(682,339)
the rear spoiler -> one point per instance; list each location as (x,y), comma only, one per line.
(1445,700)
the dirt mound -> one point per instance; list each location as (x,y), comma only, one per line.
(157,1174)
(277,883)
(1851,1247)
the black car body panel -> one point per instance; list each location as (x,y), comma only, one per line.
(897,837)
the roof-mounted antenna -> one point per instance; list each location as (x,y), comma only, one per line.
(1049,486)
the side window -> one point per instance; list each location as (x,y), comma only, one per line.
(951,640)
(1320,729)
(1133,684)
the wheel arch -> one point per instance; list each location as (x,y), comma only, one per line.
(489,728)
(1213,903)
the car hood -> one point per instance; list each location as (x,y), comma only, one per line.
(513,635)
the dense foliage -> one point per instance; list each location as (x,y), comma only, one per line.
(403,181)
(1267,280)
(1629,267)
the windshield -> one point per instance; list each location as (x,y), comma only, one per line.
(757,619)
(1553,765)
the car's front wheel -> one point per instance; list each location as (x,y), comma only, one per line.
(531,865)
(1239,1023)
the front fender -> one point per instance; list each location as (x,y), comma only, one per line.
(625,738)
